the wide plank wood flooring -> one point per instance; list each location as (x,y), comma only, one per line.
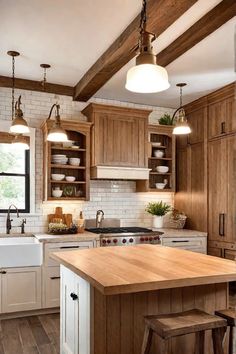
(30,335)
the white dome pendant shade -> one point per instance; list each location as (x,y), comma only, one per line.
(19,124)
(56,132)
(20,142)
(146,76)
(181,123)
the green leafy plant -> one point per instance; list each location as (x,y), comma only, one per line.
(158,208)
(165,120)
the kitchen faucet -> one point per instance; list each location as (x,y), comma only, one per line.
(99,218)
(9,220)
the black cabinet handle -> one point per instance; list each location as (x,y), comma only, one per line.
(64,247)
(222,224)
(3,272)
(55,278)
(74,296)
(222,127)
(180,241)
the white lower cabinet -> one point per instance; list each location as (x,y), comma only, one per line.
(75,313)
(20,289)
(194,244)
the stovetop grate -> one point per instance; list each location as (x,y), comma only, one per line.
(118,230)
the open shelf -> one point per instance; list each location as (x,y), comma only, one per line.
(160,158)
(67,182)
(67,149)
(160,190)
(160,173)
(70,167)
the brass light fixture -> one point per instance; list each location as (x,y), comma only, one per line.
(56,133)
(19,124)
(20,142)
(182,127)
(44,81)
(146,76)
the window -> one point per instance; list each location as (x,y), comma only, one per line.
(14,178)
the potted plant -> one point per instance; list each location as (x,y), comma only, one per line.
(158,210)
(166,120)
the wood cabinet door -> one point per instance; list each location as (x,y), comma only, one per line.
(120,141)
(214,251)
(21,289)
(231,189)
(197,123)
(217,189)
(182,178)
(217,119)
(231,114)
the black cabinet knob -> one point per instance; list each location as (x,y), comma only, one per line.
(3,272)
(74,296)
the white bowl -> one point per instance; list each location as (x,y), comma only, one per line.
(57,177)
(156,144)
(67,143)
(160,185)
(158,153)
(70,178)
(162,169)
(74,161)
(57,193)
(59,156)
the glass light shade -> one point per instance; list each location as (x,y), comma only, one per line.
(20,143)
(57,134)
(147,78)
(19,126)
(182,129)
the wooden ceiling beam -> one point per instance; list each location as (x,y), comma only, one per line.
(209,23)
(31,85)
(161,14)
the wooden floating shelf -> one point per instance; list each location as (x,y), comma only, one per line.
(67,149)
(71,167)
(159,173)
(161,158)
(159,147)
(67,198)
(160,190)
(67,182)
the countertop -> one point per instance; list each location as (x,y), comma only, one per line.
(181,233)
(117,270)
(85,236)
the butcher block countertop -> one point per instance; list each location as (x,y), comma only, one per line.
(118,270)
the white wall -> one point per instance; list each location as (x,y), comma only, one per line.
(116,198)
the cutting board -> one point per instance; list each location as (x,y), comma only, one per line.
(59,217)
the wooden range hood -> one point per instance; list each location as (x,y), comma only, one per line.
(118,142)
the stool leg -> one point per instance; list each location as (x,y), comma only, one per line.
(232,340)
(199,343)
(147,340)
(218,339)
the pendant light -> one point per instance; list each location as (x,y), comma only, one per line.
(56,133)
(19,124)
(181,127)
(146,76)
(20,142)
(44,81)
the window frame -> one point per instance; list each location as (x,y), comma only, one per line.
(27,184)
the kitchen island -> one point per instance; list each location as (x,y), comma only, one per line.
(112,288)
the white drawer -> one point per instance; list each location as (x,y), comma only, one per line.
(63,247)
(195,244)
(52,287)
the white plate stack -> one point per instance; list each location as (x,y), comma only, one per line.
(59,159)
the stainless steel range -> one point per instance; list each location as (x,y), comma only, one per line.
(126,236)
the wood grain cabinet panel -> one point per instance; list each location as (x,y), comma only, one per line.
(217,119)
(231,188)
(196,122)
(214,251)
(119,135)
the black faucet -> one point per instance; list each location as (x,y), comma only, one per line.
(9,220)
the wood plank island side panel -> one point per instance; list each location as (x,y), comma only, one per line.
(119,325)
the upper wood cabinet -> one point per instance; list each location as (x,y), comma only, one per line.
(222,112)
(119,135)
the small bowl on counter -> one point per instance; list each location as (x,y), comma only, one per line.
(75,161)
(57,177)
(158,153)
(162,169)
(57,193)
(70,178)
(160,185)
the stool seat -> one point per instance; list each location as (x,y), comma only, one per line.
(177,324)
(229,315)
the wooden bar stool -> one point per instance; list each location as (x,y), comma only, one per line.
(230,316)
(178,324)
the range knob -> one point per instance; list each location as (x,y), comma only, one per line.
(124,240)
(146,238)
(150,238)
(115,240)
(131,240)
(156,238)
(104,242)
(108,241)
(141,239)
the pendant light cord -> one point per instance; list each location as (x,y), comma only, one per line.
(143,18)
(181,98)
(13,88)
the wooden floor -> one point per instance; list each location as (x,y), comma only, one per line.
(30,335)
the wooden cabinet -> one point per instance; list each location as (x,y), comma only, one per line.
(21,289)
(79,134)
(119,135)
(75,313)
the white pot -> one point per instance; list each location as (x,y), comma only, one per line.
(158,222)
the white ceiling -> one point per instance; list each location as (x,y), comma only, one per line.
(71,34)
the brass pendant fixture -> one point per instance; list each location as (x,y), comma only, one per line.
(146,76)
(56,133)
(181,127)
(44,81)
(20,142)
(19,124)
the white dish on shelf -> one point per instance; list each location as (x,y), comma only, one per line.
(156,144)
(70,178)
(68,143)
(75,161)
(57,177)
(57,193)
(160,185)
(158,153)
(162,169)
(58,156)
(75,147)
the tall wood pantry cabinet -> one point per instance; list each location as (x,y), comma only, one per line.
(206,170)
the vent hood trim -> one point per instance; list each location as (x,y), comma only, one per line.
(127,173)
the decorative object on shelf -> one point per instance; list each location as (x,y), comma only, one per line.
(19,124)
(146,76)
(67,144)
(56,133)
(68,191)
(175,220)
(158,210)
(20,142)
(44,81)
(161,185)
(57,177)
(181,127)
(165,120)
(162,169)
(57,192)
(61,229)
(59,159)
(158,153)
(74,161)
(70,178)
